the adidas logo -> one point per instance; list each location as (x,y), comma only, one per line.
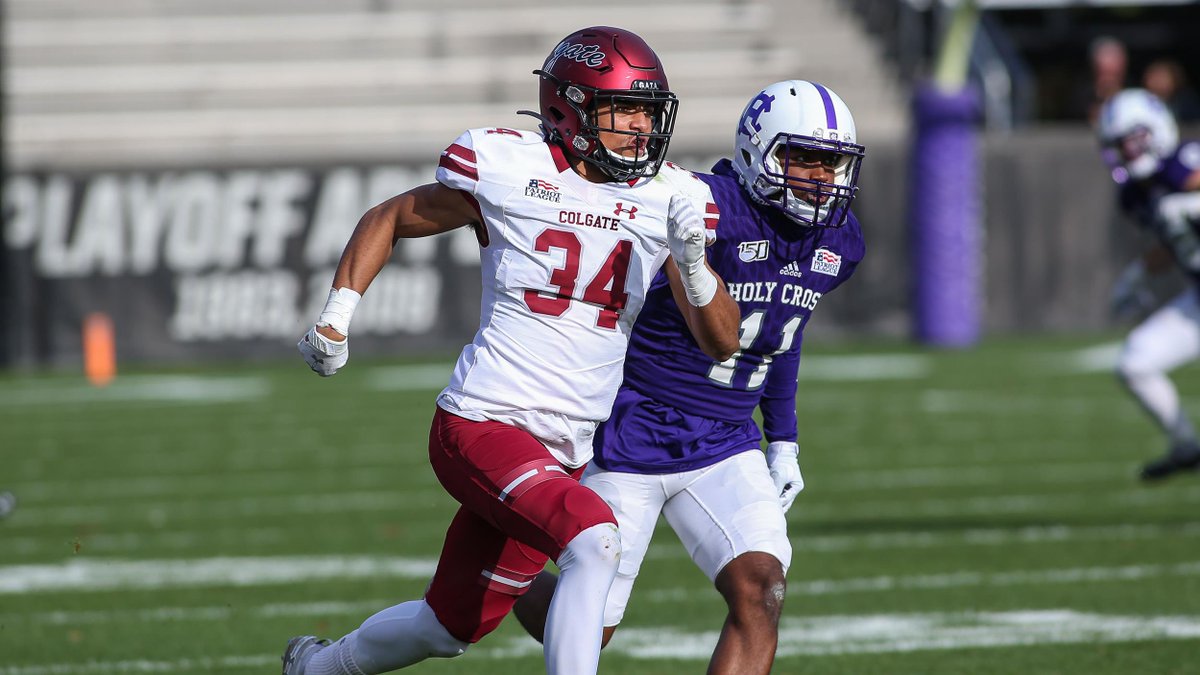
(791,269)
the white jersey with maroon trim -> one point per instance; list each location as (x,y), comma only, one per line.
(565,272)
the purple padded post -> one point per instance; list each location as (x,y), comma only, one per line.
(945,218)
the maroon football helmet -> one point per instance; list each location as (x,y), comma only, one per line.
(602,67)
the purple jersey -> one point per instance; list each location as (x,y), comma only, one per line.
(777,271)
(1139,198)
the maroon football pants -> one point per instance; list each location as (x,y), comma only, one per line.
(520,507)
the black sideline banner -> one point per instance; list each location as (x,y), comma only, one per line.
(200,264)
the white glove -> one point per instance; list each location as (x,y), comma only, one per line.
(1131,295)
(687,237)
(1176,217)
(783,459)
(323,355)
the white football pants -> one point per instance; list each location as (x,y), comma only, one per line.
(1167,339)
(719,513)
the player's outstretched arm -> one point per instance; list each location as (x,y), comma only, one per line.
(711,314)
(715,325)
(422,211)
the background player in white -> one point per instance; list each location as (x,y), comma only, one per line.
(682,440)
(574,223)
(1159,180)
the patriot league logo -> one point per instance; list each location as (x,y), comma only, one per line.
(826,262)
(543,190)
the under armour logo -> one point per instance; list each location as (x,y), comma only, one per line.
(621,209)
(760,105)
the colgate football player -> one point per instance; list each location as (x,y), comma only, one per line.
(574,221)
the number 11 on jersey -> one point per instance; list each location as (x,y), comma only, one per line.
(722,373)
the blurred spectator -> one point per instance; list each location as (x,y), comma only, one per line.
(1110,68)
(1166,79)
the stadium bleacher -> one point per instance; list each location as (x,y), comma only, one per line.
(165,83)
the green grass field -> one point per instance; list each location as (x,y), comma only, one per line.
(966,512)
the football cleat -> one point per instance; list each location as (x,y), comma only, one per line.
(1184,457)
(300,651)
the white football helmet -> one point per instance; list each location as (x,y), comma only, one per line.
(787,117)
(1137,133)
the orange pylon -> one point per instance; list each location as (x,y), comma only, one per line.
(99,349)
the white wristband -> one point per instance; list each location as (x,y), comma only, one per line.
(339,308)
(699,284)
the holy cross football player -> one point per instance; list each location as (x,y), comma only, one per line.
(1160,188)
(682,440)
(574,223)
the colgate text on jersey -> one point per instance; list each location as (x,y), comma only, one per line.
(588,220)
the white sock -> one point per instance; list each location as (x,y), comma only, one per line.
(575,621)
(1160,398)
(397,637)
(336,659)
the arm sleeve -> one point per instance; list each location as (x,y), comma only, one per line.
(778,403)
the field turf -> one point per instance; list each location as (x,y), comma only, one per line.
(965,512)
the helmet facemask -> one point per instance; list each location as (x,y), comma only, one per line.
(1133,154)
(590,105)
(809,202)
(1137,133)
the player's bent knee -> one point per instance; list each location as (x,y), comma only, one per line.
(599,546)
(754,582)
(1129,371)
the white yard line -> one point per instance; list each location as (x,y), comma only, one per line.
(211,485)
(960,579)
(890,633)
(422,377)
(990,537)
(957,401)
(798,636)
(864,367)
(1098,359)
(199,665)
(183,539)
(206,613)
(961,475)
(209,510)
(152,389)
(131,543)
(804,544)
(103,575)
(1087,501)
